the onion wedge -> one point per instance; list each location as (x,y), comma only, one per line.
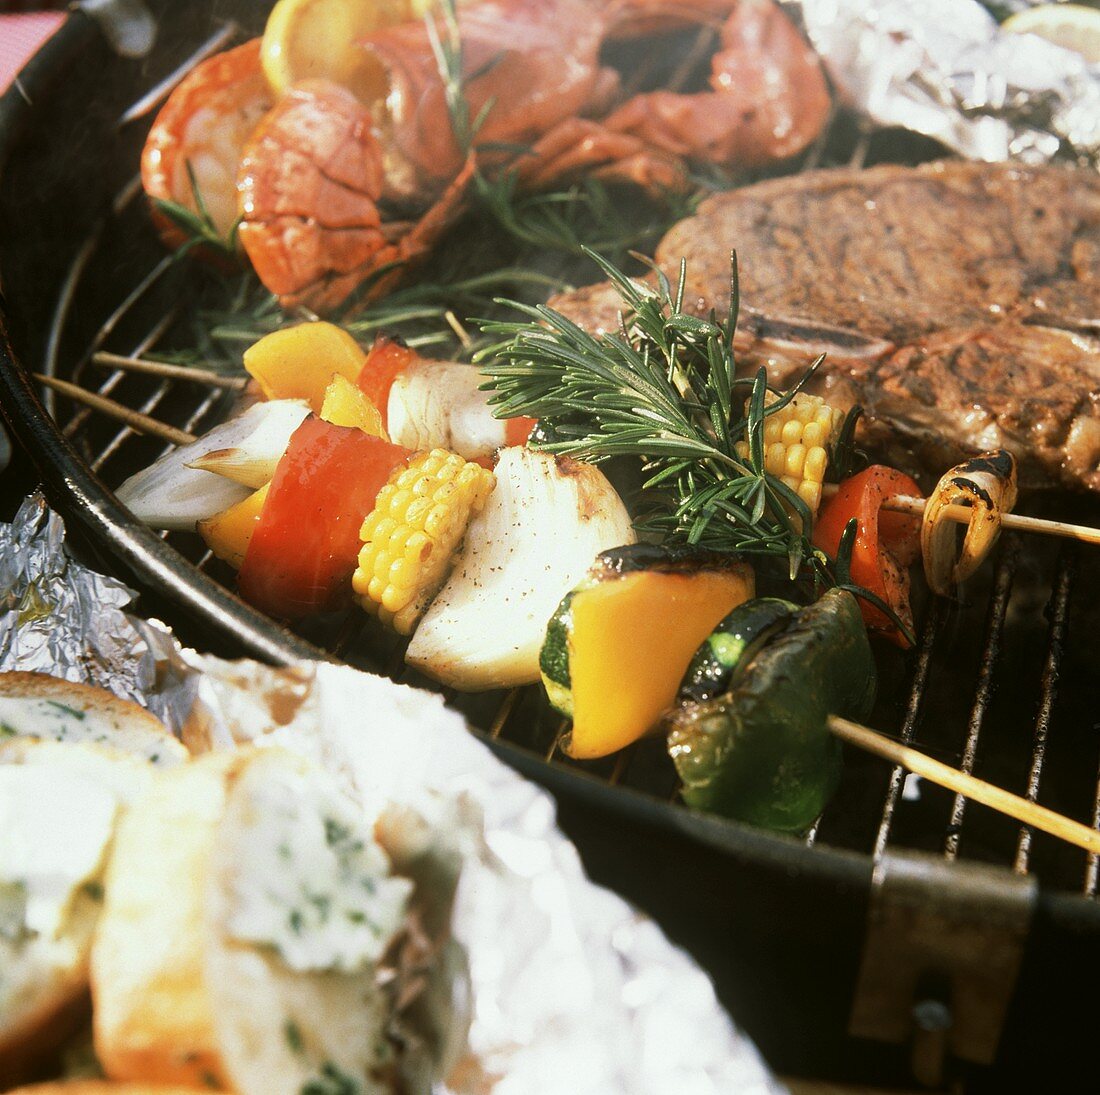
(439,404)
(251,462)
(175,492)
(545,522)
(986,485)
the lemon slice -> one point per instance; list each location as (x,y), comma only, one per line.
(311,39)
(1071,26)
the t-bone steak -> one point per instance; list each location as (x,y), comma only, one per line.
(958,302)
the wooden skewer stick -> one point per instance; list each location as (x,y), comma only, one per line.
(134,419)
(173,372)
(903,504)
(1022,809)
(144,424)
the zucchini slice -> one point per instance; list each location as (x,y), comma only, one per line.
(616,649)
(733,644)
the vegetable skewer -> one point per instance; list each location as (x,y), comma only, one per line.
(144,423)
(862,737)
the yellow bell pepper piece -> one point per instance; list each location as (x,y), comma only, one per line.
(299,362)
(345,405)
(631,642)
(228,534)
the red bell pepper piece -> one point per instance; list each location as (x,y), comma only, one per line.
(886,543)
(518,429)
(306,543)
(386,361)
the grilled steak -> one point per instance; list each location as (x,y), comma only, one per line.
(958,302)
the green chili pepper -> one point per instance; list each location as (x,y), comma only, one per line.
(761,752)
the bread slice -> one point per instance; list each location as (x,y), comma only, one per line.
(248,909)
(310,946)
(59,804)
(152,1018)
(39,706)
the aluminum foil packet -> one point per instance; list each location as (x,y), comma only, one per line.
(571,990)
(944,68)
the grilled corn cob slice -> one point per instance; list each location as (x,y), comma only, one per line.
(796,444)
(411,536)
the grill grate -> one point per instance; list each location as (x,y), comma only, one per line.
(927,696)
(1058,608)
(998,607)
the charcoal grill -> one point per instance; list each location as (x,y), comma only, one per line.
(908,933)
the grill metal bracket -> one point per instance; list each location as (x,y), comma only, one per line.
(942,954)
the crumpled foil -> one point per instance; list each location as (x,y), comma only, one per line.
(944,68)
(573,991)
(59,617)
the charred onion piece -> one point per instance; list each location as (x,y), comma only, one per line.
(546,520)
(987,485)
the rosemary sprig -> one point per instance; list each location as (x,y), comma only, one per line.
(664,390)
(197,225)
(844,458)
(447,51)
(232,312)
(572,219)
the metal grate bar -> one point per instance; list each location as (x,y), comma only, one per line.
(504,713)
(1058,609)
(622,759)
(1092,867)
(76,271)
(863,146)
(395,663)
(150,404)
(350,630)
(140,349)
(127,432)
(157,94)
(998,608)
(61,311)
(135,294)
(909,723)
(813,158)
(105,331)
(811,836)
(206,404)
